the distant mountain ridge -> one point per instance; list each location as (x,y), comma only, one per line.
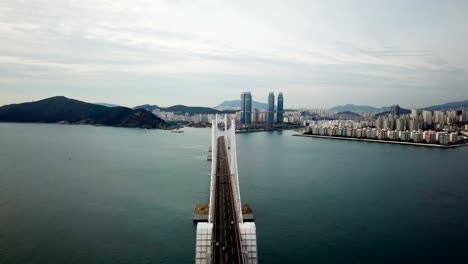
(147,107)
(403,111)
(347,115)
(60,109)
(107,104)
(235,105)
(449,105)
(191,110)
(357,108)
(375,110)
(182,109)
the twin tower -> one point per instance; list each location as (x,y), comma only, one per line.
(246,109)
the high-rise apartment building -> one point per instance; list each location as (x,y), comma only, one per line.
(279,115)
(415,113)
(271,108)
(255,115)
(427,116)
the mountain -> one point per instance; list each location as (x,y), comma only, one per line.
(403,111)
(347,115)
(107,105)
(365,109)
(382,110)
(191,110)
(447,106)
(355,108)
(62,109)
(235,105)
(182,109)
(147,107)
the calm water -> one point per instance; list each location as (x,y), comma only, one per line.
(83,194)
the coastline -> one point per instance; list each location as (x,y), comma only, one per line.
(386,141)
(86,124)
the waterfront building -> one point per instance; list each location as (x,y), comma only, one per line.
(271,108)
(382,134)
(238,117)
(262,118)
(392,135)
(453,138)
(280,110)
(246,108)
(323,131)
(341,131)
(359,133)
(429,137)
(255,115)
(371,133)
(405,135)
(242,109)
(417,136)
(443,138)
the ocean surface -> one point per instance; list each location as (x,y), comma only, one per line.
(84,194)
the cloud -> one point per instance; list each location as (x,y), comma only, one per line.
(241,45)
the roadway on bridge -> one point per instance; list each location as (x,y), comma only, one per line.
(226,236)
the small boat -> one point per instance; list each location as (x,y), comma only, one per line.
(177,131)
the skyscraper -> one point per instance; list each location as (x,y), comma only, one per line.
(246,108)
(242,107)
(271,108)
(279,114)
(395,110)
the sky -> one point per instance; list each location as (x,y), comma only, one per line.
(318,53)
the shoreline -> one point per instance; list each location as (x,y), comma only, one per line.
(84,124)
(259,130)
(386,141)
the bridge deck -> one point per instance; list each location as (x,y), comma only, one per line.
(226,236)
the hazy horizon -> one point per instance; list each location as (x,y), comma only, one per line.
(212,106)
(319,54)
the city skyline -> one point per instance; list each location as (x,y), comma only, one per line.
(310,107)
(321,54)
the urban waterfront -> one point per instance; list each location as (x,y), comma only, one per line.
(83,194)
